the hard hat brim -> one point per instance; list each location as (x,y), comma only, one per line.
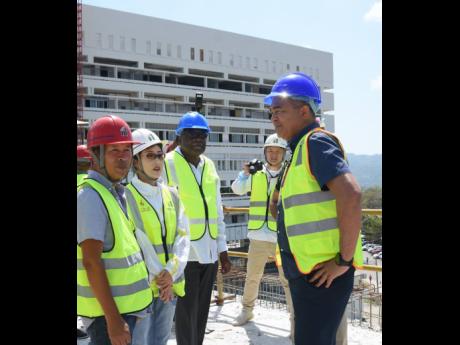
(145,146)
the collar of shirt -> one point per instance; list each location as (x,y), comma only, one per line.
(200,165)
(117,187)
(145,188)
(271,173)
(294,141)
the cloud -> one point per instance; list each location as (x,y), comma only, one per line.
(376,84)
(375,13)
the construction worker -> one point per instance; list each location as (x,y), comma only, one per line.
(261,226)
(158,212)
(112,280)
(83,162)
(199,190)
(342,331)
(319,213)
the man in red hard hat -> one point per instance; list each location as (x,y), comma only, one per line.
(112,279)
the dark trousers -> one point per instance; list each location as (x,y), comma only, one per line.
(192,309)
(97,331)
(318,310)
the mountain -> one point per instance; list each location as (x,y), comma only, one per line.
(367,169)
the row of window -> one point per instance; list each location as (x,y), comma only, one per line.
(202,55)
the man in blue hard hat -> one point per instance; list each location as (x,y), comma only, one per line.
(198,185)
(319,213)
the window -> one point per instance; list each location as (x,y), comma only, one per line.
(248,63)
(210,56)
(231,60)
(255,63)
(133,45)
(201,55)
(266,66)
(235,138)
(219,58)
(179,52)
(149,47)
(159,48)
(111,42)
(99,40)
(252,139)
(168,49)
(274,66)
(192,53)
(240,61)
(215,137)
(288,67)
(297,68)
(122,43)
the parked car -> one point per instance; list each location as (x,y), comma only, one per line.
(377,255)
(375,250)
(368,246)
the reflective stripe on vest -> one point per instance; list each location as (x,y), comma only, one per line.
(259,202)
(80,178)
(200,200)
(278,256)
(160,234)
(125,269)
(310,214)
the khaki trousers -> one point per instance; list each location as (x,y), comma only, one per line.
(258,254)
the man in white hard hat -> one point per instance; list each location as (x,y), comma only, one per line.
(261,226)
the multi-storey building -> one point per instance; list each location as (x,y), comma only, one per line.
(148,70)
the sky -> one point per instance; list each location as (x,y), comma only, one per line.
(349,29)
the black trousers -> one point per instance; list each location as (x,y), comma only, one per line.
(192,309)
(319,310)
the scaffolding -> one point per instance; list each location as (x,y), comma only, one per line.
(80,129)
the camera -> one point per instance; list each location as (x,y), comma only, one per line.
(255,165)
(198,102)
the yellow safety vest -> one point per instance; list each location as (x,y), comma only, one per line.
(124,266)
(310,214)
(80,178)
(278,256)
(259,203)
(200,201)
(147,220)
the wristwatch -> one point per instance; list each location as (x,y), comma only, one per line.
(341,262)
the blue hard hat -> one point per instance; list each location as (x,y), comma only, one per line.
(192,119)
(297,86)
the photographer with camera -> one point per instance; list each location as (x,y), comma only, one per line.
(260,179)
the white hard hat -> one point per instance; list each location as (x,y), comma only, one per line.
(275,140)
(146,138)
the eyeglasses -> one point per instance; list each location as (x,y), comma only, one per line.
(152,156)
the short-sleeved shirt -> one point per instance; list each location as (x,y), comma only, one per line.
(326,162)
(92,217)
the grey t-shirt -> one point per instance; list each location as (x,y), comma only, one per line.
(92,219)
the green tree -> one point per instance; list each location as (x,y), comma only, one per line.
(372,225)
(372,197)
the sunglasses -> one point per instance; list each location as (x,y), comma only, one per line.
(197,133)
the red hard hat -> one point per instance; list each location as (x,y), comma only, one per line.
(82,152)
(109,129)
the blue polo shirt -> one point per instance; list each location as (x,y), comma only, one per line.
(326,162)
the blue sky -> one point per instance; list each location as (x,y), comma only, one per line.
(350,29)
